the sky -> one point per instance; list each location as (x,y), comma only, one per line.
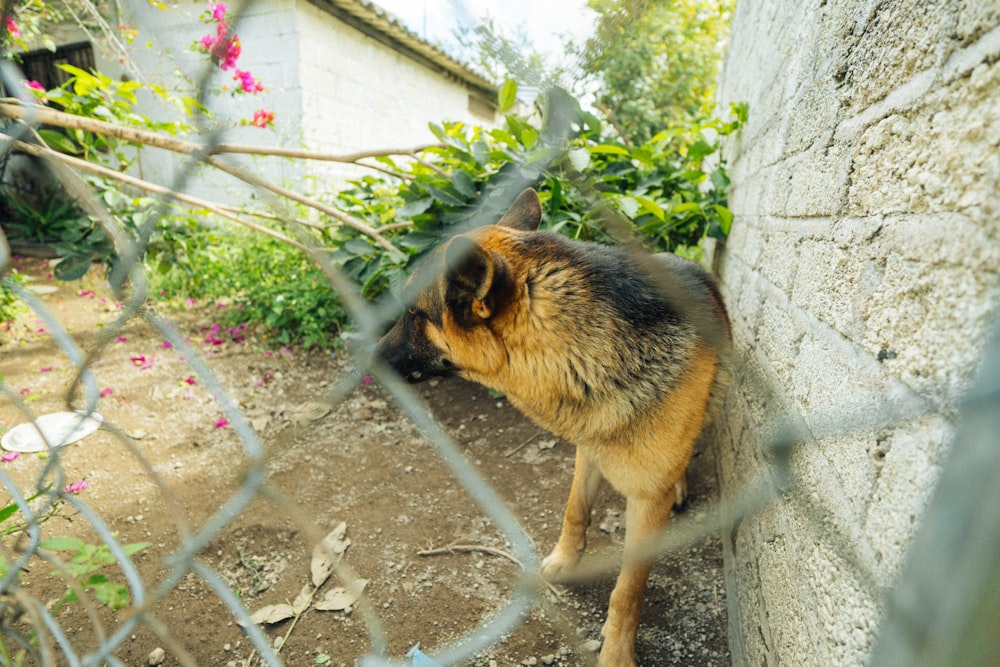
(544,21)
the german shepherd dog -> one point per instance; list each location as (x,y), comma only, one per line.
(591,347)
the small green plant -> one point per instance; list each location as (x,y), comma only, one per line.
(81,564)
(271,287)
(10,305)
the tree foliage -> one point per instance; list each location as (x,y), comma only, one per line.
(655,62)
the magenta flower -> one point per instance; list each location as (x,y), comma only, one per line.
(367,379)
(143,362)
(167,345)
(35,85)
(222,423)
(248,82)
(9,456)
(83,292)
(190,302)
(46,369)
(189,380)
(121,339)
(12,27)
(77,487)
(107,391)
(218,10)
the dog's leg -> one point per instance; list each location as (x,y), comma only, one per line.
(573,539)
(645,520)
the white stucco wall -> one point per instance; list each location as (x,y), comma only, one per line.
(359,95)
(861,275)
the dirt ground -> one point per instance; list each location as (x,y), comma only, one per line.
(359,462)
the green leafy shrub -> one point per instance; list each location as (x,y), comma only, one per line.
(664,187)
(270,286)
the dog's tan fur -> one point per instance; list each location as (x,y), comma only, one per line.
(581,342)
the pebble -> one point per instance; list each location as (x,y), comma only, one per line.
(591,645)
(548,659)
(157,656)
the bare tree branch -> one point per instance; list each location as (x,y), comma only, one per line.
(10,109)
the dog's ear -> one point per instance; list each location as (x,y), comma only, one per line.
(525,213)
(476,279)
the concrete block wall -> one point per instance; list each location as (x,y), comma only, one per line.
(862,278)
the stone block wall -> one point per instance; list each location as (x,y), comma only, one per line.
(861,275)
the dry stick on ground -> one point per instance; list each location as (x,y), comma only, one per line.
(11,109)
(482,548)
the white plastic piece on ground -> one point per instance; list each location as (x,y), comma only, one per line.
(58,428)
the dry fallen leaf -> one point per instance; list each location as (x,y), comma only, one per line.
(273,613)
(328,553)
(339,599)
(301,602)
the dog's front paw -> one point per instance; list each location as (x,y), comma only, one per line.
(559,565)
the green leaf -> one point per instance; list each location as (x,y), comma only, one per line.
(481,152)
(609,149)
(358,247)
(650,206)
(63,544)
(134,548)
(508,95)
(415,207)
(7,512)
(418,241)
(725,218)
(445,197)
(57,141)
(72,267)
(463,184)
(112,595)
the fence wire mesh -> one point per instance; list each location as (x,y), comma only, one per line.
(29,623)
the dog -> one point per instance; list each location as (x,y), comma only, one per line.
(625,365)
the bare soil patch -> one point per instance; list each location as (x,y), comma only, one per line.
(362,463)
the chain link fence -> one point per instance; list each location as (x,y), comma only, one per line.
(932,620)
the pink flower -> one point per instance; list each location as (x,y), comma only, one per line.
(218,10)
(208,42)
(167,345)
(190,302)
(46,369)
(190,380)
(121,339)
(37,86)
(12,27)
(367,379)
(222,423)
(262,118)
(83,292)
(9,456)
(142,362)
(248,83)
(107,391)
(77,487)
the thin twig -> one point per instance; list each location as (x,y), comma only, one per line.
(523,444)
(39,114)
(83,165)
(492,551)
